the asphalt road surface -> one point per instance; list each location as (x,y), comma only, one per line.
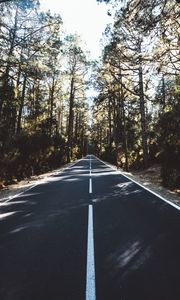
(89,233)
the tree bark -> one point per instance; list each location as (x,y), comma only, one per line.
(163,93)
(124,126)
(10,53)
(110,125)
(142,113)
(71,120)
(125,138)
(21,105)
(52,89)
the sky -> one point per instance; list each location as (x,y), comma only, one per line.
(87,18)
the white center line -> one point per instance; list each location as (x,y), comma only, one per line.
(90,179)
(90,185)
(90,272)
(90,163)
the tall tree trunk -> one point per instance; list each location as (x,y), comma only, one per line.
(76,126)
(71,120)
(163,93)
(110,126)
(60,119)
(82,141)
(115,129)
(124,125)
(52,89)
(142,113)
(21,104)
(99,140)
(125,138)
(7,70)
(36,93)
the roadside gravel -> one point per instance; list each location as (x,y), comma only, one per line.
(155,186)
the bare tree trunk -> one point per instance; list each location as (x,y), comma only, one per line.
(76,126)
(36,101)
(51,104)
(21,105)
(143,115)
(124,125)
(82,142)
(115,130)
(6,74)
(163,93)
(71,120)
(110,126)
(125,138)
(100,139)
(60,118)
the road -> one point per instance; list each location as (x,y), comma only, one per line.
(89,233)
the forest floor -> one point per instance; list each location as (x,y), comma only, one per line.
(150,178)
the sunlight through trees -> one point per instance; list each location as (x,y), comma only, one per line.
(45,74)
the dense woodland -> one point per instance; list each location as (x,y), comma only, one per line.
(137,111)
(44,75)
(43,107)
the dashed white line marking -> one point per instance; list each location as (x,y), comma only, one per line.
(90,185)
(90,163)
(90,174)
(90,271)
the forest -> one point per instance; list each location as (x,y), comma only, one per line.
(46,119)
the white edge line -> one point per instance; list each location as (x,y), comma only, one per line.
(144,187)
(34,185)
(73,164)
(17,195)
(90,271)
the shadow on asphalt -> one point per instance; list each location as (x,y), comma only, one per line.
(45,203)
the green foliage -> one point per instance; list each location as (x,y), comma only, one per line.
(137,114)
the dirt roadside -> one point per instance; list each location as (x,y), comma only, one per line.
(151,179)
(13,190)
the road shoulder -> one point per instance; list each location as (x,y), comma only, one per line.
(20,187)
(151,182)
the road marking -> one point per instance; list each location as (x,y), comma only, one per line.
(90,179)
(90,163)
(90,185)
(19,194)
(90,271)
(141,185)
